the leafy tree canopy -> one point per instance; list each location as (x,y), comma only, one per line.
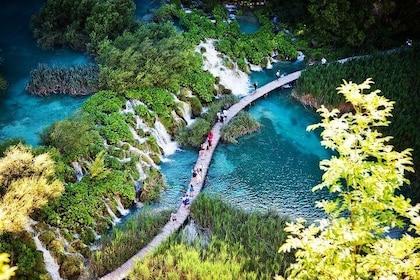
(81,24)
(26,183)
(153,55)
(352,243)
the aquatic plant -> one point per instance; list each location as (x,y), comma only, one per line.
(181,261)
(240,125)
(251,235)
(123,242)
(75,80)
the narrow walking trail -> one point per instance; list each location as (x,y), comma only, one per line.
(202,162)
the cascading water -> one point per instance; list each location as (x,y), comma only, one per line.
(121,208)
(164,139)
(115,219)
(50,264)
(214,63)
(79,171)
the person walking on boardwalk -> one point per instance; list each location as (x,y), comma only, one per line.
(278,74)
(255,85)
(210,138)
(191,190)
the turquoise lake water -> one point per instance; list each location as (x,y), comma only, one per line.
(272,169)
(22,115)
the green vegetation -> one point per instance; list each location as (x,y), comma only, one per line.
(395,73)
(255,236)
(155,64)
(27,261)
(81,25)
(125,241)
(27,182)
(154,55)
(238,244)
(181,261)
(366,173)
(74,138)
(195,134)
(240,125)
(238,46)
(76,80)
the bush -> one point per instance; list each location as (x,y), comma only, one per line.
(240,125)
(195,134)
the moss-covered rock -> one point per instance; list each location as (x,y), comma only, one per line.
(72,267)
(46,237)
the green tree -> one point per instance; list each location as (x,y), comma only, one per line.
(365,173)
(340,22)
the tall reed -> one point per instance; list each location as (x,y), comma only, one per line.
(125,241)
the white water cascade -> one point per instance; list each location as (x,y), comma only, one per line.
(115,219)
(233,79)
(79,171)
(50,264)
(185,110)
(121,208)
(164,139)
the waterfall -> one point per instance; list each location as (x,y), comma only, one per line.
(115,219)
(150,161)
(269,65)
(136,136)
(186,113)
(50,264)
(79,171)
(121,208)
(142,174)
(232,79)
(185,110)
(163,139)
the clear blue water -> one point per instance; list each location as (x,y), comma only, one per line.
(274,169)
(249,24)
(22,115)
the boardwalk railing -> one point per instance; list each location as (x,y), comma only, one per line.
(202,162)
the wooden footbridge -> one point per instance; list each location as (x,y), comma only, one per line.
(203,161)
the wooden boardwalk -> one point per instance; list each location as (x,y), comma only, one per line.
(203,161)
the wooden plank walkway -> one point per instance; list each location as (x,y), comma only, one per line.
(203,161)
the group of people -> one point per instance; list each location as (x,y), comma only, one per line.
(221,115)
(197,173)
(206,145)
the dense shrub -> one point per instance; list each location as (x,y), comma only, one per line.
(81,25)
(195,134)
(395,73)
(30,262)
